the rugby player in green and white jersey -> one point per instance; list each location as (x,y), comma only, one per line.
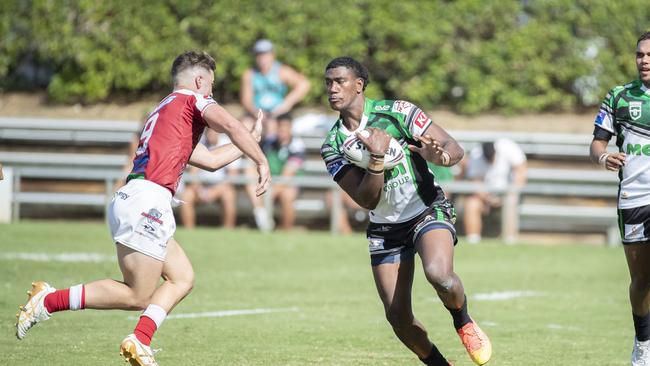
(409,212)
(625,113)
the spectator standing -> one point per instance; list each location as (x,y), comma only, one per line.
(271,86)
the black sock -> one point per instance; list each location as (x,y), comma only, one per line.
(435,358)
(461,317)
(642,327)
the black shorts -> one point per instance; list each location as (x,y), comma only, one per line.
(634,224)
(388,243)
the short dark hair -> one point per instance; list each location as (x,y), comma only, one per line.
(643,37)
(359,70)
(190,59)
(488,150)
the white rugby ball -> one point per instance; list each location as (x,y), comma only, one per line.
(355,151)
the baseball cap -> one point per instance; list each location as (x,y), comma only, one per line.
(263,46)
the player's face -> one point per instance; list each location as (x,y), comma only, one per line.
(643,61)
(264,61)
(343,87)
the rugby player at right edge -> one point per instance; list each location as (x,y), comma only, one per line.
(625,113)
(409,212)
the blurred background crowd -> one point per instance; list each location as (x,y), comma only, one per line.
(468,57)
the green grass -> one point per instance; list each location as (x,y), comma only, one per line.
(582,318)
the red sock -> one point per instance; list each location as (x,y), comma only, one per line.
(145,329)
(57,301)
(73,298)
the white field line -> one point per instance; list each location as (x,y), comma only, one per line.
(224,313)
(505,295)
(58,257)
(561,327)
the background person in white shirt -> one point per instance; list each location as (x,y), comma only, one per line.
(497,165)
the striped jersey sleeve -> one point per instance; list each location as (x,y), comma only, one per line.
(415,119)
(605,118)
(332,156)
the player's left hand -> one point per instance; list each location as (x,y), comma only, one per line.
(431,150)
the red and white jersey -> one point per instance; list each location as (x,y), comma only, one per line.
(168,138)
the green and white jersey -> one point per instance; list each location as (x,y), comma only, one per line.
(625,112)
(409,188)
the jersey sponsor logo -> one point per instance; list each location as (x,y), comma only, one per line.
(638,149)
(395,177)
(402,107)
(122,195)
(153,216)
(635,110)
(382,108)
(421,120)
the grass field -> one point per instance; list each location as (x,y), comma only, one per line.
(573,311)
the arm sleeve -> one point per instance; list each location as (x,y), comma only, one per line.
(415,119)
(203,102)
(335,162)
(606,114)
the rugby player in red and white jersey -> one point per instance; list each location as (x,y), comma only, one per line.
(140,215)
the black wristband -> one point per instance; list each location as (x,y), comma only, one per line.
(377,156)
(375,172)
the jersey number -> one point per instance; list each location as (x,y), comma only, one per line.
(147,131)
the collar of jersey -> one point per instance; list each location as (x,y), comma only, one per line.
(644,88)
(185,91)
(364,118)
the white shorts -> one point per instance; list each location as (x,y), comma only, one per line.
(140,217)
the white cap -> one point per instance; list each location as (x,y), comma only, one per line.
(263,46)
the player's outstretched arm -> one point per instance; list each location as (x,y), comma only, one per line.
(598,154)
(438,147)
(223,155)
(219,119)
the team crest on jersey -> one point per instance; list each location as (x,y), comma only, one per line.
(635,110)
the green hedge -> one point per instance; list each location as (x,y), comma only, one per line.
(469,55)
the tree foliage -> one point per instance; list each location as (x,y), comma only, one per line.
(470,55)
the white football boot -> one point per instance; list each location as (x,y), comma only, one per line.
(641,353)
(34,310)
(136,353)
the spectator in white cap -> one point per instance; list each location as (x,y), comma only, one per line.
(271,86)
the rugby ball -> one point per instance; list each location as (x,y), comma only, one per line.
(355,151)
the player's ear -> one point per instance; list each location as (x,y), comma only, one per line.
(359,85)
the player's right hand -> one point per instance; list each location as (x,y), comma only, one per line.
(377,142)
(615,161)
(264,178)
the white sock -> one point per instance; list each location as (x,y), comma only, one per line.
(156,313)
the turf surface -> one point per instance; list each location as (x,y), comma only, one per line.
(573,311)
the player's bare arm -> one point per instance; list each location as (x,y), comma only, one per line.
(598,154)
(364,186)
(246,92)
(221,156)
(299,85)
(438,147)
(219,119)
